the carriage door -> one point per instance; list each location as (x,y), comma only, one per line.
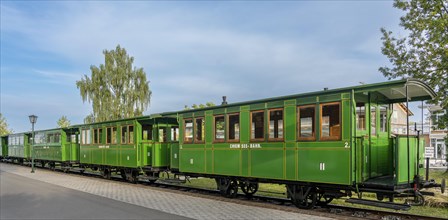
(362,141)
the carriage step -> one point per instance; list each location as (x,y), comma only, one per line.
(174,181)
(147,178)
(388,205)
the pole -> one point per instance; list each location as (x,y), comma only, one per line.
(32,149)
(407,132)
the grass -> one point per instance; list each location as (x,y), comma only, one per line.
(436,206)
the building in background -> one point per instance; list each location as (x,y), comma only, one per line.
(436,150)
(435,146)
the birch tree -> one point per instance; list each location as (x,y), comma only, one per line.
(116,88)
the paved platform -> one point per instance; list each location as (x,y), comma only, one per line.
(21,198)
(167,202)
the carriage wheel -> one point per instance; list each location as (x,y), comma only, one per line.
(133,178)
(232,190)
(249,188)
(418,199)
(52,166)
(155,175)
(123,174)
(304,197)
(106,173)
(227,187)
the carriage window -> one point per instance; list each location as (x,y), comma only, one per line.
(174,133)
(57,138)
(131,134)
(200,124)
(257,125)
(95,136)
(234,127)
(49,138)
(73,138)
(219,128)
(88,136)
(108,135)
(188,131)
(360,116)
(100,135)
(307,118)
(373,120)
(114,135)
(330,123)
(147,132)
(124,134)
(162,135)
(276,124)
(38,138)
(383,118)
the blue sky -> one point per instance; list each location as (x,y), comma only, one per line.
(192,52)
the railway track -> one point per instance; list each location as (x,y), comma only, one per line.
(329,210)
(335,210)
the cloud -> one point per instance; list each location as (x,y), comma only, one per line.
(58,77)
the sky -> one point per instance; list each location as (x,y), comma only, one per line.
(192,52)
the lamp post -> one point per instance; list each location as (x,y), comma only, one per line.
(33,119)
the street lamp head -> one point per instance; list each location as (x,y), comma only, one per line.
(33,119)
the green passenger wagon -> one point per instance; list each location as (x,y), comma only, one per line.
(19,147)
(128,146)
(322,145)
(3,147)
(56,147)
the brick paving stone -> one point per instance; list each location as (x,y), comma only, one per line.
(179,204)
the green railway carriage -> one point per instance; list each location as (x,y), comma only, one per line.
(57,146)
(19,147)
(322,145)
(128,146)
(3,147)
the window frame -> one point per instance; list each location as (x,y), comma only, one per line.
(214,129)
(195,130)
(185,129)
(269,124)
(264,126)
(228,128)
(313,137)
(330,138)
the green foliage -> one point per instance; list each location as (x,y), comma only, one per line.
(116,89)
(63,122)
(4,130)
(195,106)
(423,54)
